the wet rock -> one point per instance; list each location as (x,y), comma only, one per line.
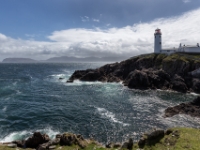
(36,140)
(190,108)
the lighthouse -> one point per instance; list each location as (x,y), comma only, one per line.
(157,41)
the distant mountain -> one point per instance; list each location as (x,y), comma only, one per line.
(86,59)
(19,60)
(64,59)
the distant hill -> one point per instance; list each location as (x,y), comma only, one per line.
(19,60)
(64,59)
(86,59)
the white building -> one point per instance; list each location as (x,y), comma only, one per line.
(180,49)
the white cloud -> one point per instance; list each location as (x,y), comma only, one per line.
(187,1)
(95,20)
(85,19)
(127,41)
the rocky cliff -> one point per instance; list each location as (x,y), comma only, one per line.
(150,71)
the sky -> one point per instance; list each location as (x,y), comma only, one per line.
(41,29)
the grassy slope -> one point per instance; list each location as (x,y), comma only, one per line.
(188,139)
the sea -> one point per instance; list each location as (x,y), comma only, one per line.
(36,97)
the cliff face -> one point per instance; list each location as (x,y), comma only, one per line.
(151,71)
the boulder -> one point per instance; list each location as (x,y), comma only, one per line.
(190,108)
(157,134)
(36,140)
(196,85)
(137,79)
(151,138)
(70,139)
(128,145)
(178,84)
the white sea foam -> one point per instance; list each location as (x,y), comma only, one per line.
(51,133)
(25,134)
(4,108)
(15,136)
(109,115)
(79,83)
(57,75)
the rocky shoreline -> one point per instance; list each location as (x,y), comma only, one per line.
(42,141)
(190,108)
(152,71)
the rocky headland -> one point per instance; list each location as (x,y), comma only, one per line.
(177,72)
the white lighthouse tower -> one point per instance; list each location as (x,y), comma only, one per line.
(157,41)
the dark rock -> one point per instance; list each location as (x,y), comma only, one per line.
(91,76)
(19,143)
(69,81)
(36,140)
(191,108)
(109,145)
(168,131)
(151,138)
(117,145)
(178,84)
(113,79)
(61,78)
(70,139)
(128,145)
(142,142)
(196,85)
(137,79)
(157,134)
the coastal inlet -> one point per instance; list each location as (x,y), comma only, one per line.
(36,97)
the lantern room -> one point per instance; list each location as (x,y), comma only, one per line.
(158,31)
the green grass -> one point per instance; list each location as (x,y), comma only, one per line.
(188,140)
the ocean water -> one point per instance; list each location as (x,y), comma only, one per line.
(32,98)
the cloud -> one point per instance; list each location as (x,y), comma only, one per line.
(187,1)
(131,40)
(95,20)
(85,19)
(126,41)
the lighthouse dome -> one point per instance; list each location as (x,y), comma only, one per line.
(157,32)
